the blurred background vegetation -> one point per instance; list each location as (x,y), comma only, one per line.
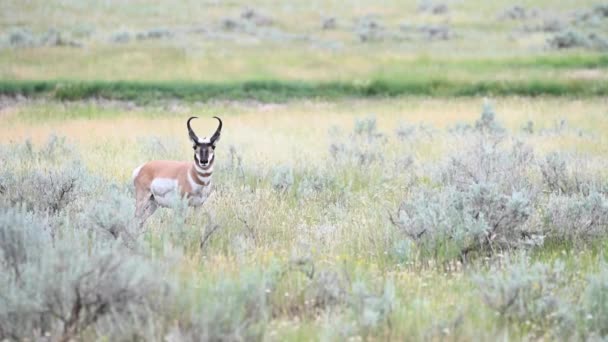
(274,51)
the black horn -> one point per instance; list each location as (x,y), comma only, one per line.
(191,132)
(216,135)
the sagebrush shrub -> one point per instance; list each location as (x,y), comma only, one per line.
(328,288)
(486,161)
(480,201)
(317,182)
(526,292)
(112,212)
(371,309)
(568,39)
(23,236)
(565,174)
(450,222)
(121,37)
(54,152)
(282,178)
(364,146)
(601,10)
(366,312)
(577,216)
(517,12)
(62,287)
(155,33)
(329,23)
(487,123)
(21,37)
(369,30)
(44,190)
(47,179)
(406,132)
(229,309)
(595,302)
(528,127)
(436,32)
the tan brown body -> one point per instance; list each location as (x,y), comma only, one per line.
(160,182)
(164,169)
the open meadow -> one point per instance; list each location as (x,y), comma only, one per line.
(388,171)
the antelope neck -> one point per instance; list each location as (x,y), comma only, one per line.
(202,178)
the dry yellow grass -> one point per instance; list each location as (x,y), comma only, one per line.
(273,134)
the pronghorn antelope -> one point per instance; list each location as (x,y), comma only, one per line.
(158,182)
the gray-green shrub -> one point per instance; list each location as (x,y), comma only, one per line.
(230,309)
(480,200)
(577,216)
(595,303)
(487,162)
(111,212)
(526,292)
(487,123)
(60,287)
(452,223)
(21,37)
(362,147)
(282,178)
(46,179)
(328,288)
(49,190)
(565,174)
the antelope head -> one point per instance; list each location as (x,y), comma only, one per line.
(204,148)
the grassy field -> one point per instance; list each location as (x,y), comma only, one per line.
(387,170)
(285,204)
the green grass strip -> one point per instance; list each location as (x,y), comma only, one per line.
(278,91)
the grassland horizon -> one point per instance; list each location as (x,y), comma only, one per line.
(281,91)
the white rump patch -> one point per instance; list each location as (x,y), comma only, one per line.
(136,171)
